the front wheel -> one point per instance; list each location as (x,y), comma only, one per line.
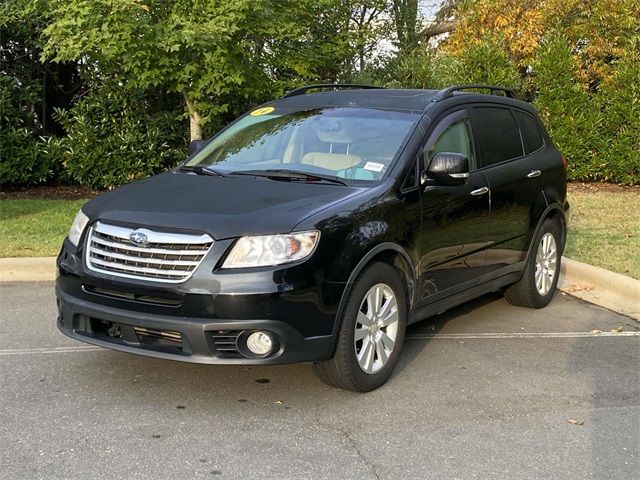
(540,276)
(372,332)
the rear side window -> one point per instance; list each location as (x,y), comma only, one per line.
(498,135)
(531,135)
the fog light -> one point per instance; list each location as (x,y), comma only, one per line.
(260,343)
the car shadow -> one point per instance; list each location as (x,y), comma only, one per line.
(413,347)
(138,378)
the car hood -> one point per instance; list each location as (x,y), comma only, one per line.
(221,206)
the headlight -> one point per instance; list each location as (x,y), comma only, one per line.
(77,227)
(261,251)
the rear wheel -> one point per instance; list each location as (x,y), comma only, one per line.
(540,277)
(371,334)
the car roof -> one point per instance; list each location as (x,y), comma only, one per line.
(385,98)
(410,100)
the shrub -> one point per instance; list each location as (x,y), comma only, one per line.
(114,136)
(22,161)
(596,129)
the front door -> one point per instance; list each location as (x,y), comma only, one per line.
(454,229)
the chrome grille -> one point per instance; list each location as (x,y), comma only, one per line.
(165,257)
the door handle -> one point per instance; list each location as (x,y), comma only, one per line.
(480,191)
(533,174)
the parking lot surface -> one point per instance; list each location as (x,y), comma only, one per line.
(484,391)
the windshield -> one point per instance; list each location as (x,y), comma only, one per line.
(348,143)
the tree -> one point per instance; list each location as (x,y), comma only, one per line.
(368,28)
(406,22)
(210,51)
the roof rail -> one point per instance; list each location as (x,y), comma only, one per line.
(495,90)
(306,88)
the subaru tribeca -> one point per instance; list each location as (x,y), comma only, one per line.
(316,227)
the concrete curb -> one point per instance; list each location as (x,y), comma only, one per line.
(595,285)
(28,269)
(602,287)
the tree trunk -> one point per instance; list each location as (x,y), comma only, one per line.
(195,126)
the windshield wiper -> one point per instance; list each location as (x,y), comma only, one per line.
(199,170)
(290,175)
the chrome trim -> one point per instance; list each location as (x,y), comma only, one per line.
(118,256)
(129,268)
(143,249)
(534,174)
(459,175)
(154,237)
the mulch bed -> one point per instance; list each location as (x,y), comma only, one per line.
(54,192)
(583,187)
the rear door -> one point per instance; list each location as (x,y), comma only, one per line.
(454,229)
(514,185)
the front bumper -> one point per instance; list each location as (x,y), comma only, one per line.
(143,334)
(204,319)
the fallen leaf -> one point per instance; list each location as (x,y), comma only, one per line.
(575,422)
(278,402)
(595,330)
(579,288)
(618,330)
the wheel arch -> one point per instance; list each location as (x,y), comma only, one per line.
(391,254)
(554,211)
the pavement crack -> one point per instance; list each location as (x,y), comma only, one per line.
(349,441)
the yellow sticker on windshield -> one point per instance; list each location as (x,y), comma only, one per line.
(262,111)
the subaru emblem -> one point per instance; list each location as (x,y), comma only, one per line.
(139,238)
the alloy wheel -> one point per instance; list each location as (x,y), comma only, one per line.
(376,328)
(546,261)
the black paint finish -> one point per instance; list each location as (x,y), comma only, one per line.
(447,244)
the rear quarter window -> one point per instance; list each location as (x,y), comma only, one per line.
(530,129)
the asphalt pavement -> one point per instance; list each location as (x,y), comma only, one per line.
(485,391)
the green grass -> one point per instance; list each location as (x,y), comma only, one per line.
(35,228)
(604,230)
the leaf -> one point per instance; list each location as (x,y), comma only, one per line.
(576,422)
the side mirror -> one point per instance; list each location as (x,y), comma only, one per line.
(195,146)
(448,168)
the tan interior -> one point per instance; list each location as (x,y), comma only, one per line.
(331,161)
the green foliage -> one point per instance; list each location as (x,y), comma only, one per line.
(480,63)
(125,75)
(564,106)
(596,130)
(210,51)
(115,137)
(22,159)
(584,78)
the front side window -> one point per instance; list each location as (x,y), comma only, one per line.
(455,138)
(497,134)
(348,143)
(451,134)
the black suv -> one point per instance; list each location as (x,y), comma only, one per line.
(316,227)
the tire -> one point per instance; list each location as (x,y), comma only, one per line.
(538,284)
(374,343)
